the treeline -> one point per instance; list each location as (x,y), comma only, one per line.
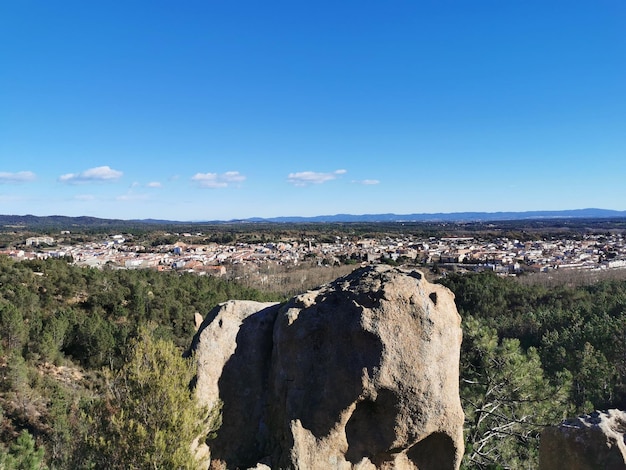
(68,339)
(21,227)
(532,355)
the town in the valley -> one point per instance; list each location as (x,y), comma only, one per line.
(501,254)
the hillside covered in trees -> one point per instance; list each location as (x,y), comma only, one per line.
(74,345)
(92,373)
(531,356)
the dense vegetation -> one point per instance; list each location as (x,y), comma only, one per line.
(87,356)
(532,355)
(70,342)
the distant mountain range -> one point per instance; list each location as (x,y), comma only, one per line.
(453,216)
(19,221)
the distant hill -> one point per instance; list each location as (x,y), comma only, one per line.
(66,223)
(51,221)
(453,216)
(61,222)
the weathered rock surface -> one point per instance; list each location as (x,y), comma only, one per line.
(361,373)
(589,442)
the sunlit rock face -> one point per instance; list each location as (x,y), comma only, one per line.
(362,373)
(588,442)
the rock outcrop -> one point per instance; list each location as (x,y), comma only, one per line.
(589,442)
(362,373)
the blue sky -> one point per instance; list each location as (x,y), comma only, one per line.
(205,110)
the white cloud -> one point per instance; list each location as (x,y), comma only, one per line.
(19,177)
(214,180)
(208,180)
(132,197)
(304,178)
(369,182)
(154,184)
(100,173)
(233,177)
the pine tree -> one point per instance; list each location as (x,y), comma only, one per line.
(506,399)
(150,417)
(23,455)
(13,329)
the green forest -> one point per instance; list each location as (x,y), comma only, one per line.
(92,368)
(93,374)
(531,356)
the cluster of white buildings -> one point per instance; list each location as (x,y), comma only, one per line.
(506,255)
(501,254)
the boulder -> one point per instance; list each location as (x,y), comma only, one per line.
(361,373)
(233,349)
(588,442)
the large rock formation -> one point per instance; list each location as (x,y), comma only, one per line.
(588,442)
(361,373)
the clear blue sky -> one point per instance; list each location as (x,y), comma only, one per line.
(203,110)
